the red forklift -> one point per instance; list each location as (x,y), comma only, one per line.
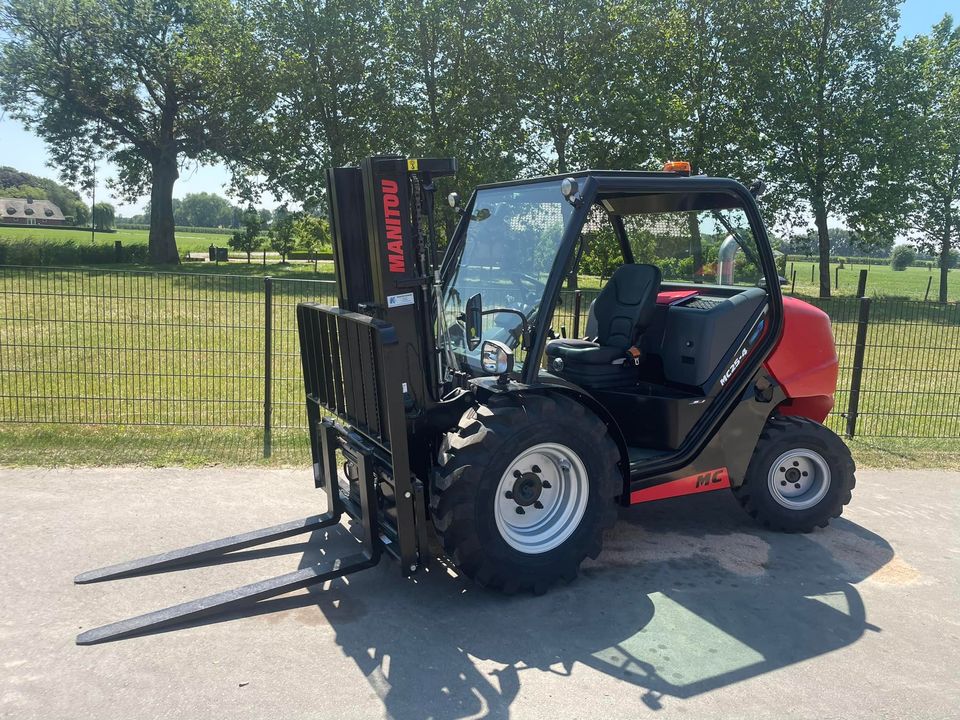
(448,412)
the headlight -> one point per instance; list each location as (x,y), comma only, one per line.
(496,358)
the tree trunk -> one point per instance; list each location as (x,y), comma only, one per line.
(945,252)
(823,242)
(162,245)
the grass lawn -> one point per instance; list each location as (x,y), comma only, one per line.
(192,241)
(166,367)
(186,241)
(882,281)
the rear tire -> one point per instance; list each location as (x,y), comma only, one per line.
(799,478)
(547,455)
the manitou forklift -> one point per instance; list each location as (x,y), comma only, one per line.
(444,401)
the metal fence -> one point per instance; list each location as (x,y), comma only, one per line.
(187,349)
(899,363)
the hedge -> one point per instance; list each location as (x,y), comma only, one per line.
(33,252)
(179,228)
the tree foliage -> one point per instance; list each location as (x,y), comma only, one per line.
(248,238)
(147,83)
(902,257)
(817,61)
(104,216)
(281,232)
(933,139)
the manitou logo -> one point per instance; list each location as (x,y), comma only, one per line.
(391,218)
(733,367)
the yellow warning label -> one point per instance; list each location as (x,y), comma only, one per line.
(413,165)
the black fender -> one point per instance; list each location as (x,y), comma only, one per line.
(484,387)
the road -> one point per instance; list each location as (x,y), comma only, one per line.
(691,611)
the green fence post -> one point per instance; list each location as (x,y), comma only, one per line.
(853,403)
(267,361)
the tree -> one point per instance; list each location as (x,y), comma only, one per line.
(902,257)
(456,90)
(933,184)
(103,216)
(311,233)
(203,209)
(282,233)
(818,62)
(682,92)
(556,56)
(328,66)
(27,192)
(248,238)
(146,83)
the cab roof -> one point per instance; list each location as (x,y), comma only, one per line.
(631,192)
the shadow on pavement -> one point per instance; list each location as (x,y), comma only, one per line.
(688,596)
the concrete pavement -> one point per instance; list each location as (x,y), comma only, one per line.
(691,611)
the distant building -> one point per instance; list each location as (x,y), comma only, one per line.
(17,211)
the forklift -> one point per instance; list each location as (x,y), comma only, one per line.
(450,415)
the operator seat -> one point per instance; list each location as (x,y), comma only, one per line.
(623,310)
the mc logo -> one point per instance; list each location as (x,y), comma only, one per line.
(709,477)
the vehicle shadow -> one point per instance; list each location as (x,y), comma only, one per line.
(688,596)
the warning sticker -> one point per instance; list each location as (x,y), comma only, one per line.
(400,300)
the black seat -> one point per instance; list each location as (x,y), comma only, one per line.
(623,310)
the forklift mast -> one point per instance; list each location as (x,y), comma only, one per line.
(384,254)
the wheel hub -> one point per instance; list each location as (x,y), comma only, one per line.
(541,498)
(799,479)
(527,489)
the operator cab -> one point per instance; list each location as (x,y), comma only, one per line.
(675,275)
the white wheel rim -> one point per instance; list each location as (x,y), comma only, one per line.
(548,483)
(799,479)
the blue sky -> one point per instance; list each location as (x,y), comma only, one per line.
(24,151)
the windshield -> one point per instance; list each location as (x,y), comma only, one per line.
(511,242)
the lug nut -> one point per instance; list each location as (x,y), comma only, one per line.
(546,485)
(536,469)
(538,505)
(797,485)
(783,482)
(508,495)
(517,473)
(521,511)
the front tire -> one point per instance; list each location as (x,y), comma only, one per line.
(799,478)
(525,490)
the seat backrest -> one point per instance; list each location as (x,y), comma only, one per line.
(625,306)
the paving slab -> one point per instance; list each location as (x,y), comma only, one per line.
(691,611)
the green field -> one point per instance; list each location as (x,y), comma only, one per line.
(882,281)
(170,367)
(186,242)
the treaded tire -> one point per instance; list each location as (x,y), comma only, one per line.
(474,458)
(781,434)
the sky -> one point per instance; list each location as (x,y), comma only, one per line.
(21,149)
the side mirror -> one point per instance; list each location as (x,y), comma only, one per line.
(473,321)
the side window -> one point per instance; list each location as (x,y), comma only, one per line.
(696,247)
